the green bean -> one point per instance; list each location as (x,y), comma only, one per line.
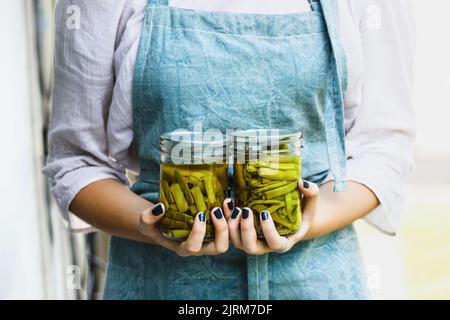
(177,224)
(282,221)
(280,191)
(174,224)
(284,159)
(179,216)
(163,198)
(181,234)
(189,171)
(184,187)
(178,195)
(288,201)
(258,182)
(252,203)
(277,165)
(295,216)
(210,190)
(275,207)
(196,182)
(218,190)
(295,213)
(295,195)
(278,174)
(175,233)
(270,186)
(285,232)
(258,208)
(221,172)
(198,198)
(168,194)
(193,209)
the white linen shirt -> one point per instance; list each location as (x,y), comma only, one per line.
(91,134)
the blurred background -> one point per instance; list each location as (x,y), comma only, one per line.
(41,260)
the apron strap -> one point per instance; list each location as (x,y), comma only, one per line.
(334,107)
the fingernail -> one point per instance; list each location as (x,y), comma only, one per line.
(202,217)
(218,213)
(245,213)
(230,205)
(158,209)
(235,213)
(305,184)
(264,215)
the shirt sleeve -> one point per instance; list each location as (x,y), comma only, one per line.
(88,34)
(380,137)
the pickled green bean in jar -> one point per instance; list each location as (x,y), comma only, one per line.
(190,184)
(266,172)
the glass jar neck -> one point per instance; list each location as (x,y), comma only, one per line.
(265,143)
(189,147)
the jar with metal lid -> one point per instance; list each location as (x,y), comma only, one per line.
(193,179)
(267,167)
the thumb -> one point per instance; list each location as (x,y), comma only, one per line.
(152,215)
(310,193)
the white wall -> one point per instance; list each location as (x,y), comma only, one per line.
(20,260)
(432,77)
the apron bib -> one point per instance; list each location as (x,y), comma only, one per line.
(248,71)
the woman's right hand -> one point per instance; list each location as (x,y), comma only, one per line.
(193,245)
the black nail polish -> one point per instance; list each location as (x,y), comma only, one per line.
(202,217)
(218,213)
(157,210)
(230,205)
(264,215)
(245,213)
(305,184)
(235,213)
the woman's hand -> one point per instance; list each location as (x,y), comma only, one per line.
(129,216)
(243,234)
(193,245)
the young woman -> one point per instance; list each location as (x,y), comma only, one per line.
(127,71)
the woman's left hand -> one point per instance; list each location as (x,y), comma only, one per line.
(243,233)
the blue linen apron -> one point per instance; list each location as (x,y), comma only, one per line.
(236,70)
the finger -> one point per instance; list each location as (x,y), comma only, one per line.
(234,228)
(310,192)
(221,237)
(311,195)
(228,207)
(275,242)
(248,232)
(193,243)
(150,216)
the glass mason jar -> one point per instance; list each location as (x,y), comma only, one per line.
(193,179)
(267,167)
